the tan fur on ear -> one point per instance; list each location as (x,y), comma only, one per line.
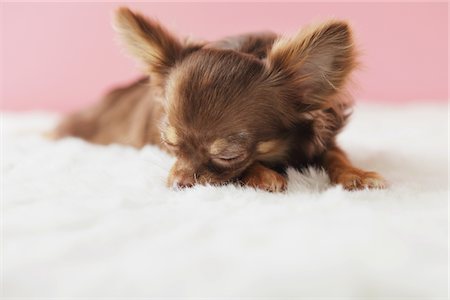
(318,58)
(147,40)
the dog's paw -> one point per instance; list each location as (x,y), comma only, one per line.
(265,179)
(359,180)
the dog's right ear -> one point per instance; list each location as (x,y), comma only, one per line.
(319,58)
(147,40)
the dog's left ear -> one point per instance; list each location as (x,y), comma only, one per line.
(147,40)
(318,59)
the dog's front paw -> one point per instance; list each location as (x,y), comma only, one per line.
(263,178)
(359,180)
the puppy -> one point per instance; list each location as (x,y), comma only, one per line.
(241,109)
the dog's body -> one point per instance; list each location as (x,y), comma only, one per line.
(239,109)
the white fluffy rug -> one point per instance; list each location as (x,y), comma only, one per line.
(81,220)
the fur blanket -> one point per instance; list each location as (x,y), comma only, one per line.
(80,220)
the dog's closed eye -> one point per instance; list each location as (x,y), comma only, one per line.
(170,147)
(225,152)
(227,159)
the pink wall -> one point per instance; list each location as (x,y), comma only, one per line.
(62,56)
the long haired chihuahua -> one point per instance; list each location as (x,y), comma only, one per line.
(240,110)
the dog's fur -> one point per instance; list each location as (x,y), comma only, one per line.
(241,109)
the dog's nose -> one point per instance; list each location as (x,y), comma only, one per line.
(183,182)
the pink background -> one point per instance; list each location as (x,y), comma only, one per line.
(63,56)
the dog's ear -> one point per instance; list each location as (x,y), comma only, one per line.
(147,40)
(318,59)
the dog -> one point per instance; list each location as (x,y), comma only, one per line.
(238,110)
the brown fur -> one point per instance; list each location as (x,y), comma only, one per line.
(241,109)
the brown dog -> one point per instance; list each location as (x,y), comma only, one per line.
(241,109)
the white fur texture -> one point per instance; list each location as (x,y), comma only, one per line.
(91,221)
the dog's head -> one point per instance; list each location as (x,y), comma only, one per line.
(226,109)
